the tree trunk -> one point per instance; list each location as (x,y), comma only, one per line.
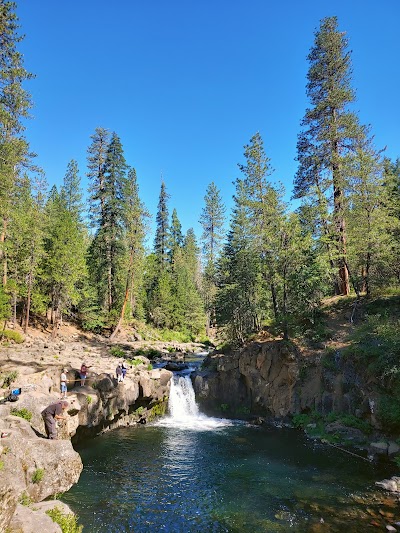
(344,282)
(28,302)
(3,256)
(126,297)
(274,300)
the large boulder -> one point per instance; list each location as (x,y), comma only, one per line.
(34,468)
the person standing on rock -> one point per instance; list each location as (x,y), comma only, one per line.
(118,372)
(124,370)
(63,383)
(83,373)
(51,414)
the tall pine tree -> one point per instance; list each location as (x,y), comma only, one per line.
(330,131)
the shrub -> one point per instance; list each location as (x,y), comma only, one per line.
(355,422)
(301,420)
(9,378)
(13,336)
(389,413)
(22,413)
(89,399)
(38,475)
(67,522)
(117,351)
(149,366)
(25,499)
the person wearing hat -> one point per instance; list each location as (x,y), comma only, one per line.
(63,383)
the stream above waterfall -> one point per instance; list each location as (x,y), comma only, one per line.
(191,473)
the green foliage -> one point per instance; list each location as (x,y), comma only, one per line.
(355,422)
(89,399)
(22,413)
(13,335)
(301,420)
(38,475)
(376,344)
(149,366)
(117,351)
(150,353)
(1,465)
(68,522)
(8,378)
(140,410)
(329,359)
(25,499)
(388,413)
(224,407)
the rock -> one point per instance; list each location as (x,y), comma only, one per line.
(381,448)
(391,528)
(346,432)
(8,503)
(393,448)
(29,520)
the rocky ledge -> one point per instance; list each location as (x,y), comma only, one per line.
(34,468)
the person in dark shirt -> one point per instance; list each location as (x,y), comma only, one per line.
(52,413)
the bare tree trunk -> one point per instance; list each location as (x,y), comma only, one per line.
(126,297)
(28,302)
(3,256)
(274,300)
(344,282)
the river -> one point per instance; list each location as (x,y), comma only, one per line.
(191,473)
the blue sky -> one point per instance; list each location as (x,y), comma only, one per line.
(185,84)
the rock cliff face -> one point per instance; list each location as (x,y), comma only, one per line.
(273,379)
(33,468)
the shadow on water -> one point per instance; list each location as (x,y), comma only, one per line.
(192,473)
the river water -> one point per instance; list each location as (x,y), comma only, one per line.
(192,473)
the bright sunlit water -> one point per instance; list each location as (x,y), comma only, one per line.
(191,473)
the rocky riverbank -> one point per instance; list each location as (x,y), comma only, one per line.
(34,468)
(273,381)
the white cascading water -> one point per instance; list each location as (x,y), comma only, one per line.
(183,409)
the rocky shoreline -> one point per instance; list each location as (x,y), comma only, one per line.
(33,468)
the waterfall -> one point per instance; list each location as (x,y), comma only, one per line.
(183,410)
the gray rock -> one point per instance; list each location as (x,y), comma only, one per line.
(29,520)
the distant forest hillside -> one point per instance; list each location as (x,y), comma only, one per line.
(273,266)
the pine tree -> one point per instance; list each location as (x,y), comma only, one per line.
(330,131)
(238,300)
(176,236)
(162,238)
(26,249)
(15,103)
(107,247)
(97,153)
(64,264)
(134,218)
(371,226)
(71,193)
(212,220)
(266,210)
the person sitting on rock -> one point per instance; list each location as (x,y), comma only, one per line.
(52,413)
(118,371)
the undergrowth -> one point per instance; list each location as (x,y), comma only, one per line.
(67,521)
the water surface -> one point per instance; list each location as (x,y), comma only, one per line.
(191,473)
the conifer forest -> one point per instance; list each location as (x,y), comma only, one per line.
(87,256)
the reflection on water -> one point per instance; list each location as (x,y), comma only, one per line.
(188,474)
